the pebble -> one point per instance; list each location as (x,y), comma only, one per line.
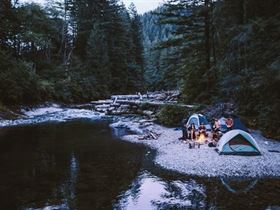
(205,161)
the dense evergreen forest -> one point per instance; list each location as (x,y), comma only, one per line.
(78,50)
(68,51)
(220,51)
(158,74)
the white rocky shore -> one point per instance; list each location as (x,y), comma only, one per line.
(175,155)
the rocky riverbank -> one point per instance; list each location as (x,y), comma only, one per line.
(6,113)
(175,155)
(171,153)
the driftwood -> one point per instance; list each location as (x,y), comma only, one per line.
(134,104)
(127,97)
(150,135)
(102,102)
(152,103)
(159,95)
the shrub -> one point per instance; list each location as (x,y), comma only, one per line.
(18,83)
(172,115)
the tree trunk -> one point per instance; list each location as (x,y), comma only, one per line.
(207,35)
(213,40)
(244,9)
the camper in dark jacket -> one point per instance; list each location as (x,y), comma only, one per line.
(184,130)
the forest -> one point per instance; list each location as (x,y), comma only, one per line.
(218,51)
(70,51)
(75,51)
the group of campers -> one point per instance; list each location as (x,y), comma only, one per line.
(228,134)
(197,134)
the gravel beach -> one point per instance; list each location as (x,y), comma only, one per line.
(175,155)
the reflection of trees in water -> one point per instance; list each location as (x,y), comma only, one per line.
(133,190)
(151,192)
(77,164)
(182,195)
(68,188)
(110,172)
(236,185)
(85,169)
(239,193)
(203,194)
(32,169)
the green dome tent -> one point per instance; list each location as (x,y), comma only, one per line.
(238,142)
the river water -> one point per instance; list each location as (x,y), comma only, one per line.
(60,160)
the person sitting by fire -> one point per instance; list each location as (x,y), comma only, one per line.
(216,126)
(191,132)
(202,129)
(192,135)
(184,130)
(216,133)
(229,123)
(202,132)
(216,130)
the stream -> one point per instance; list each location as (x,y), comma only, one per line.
(70,159)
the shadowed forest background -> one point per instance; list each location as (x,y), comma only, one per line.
(75,51)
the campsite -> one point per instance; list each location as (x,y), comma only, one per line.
(240,152)
(139,104)
(205,161)
(199,176)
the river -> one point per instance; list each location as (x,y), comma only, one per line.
(54,159)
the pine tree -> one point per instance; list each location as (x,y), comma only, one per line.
(192,44)
(97,55)
(137,62)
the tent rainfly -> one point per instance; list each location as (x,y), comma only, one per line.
(237,124)
(238,142)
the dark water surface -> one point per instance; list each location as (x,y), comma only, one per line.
(83,165)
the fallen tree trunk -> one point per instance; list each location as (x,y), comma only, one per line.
(152,103)
(127,97)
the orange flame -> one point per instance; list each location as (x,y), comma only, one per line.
(201,139)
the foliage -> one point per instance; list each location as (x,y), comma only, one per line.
(69,51)
(157,74)
(81,50)
(224,51)
(172,115)
(18,82)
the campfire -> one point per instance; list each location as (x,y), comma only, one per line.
(201,139)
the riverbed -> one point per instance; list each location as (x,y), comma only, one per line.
(61,158)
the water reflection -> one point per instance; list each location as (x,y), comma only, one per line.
(68,188)
(50,207)
(82,165)
(236,185)
(151,192)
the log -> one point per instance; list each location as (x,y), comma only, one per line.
(102,102)
(153,135)
(127,97)
(152,103)
(148,113)
(103,106)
